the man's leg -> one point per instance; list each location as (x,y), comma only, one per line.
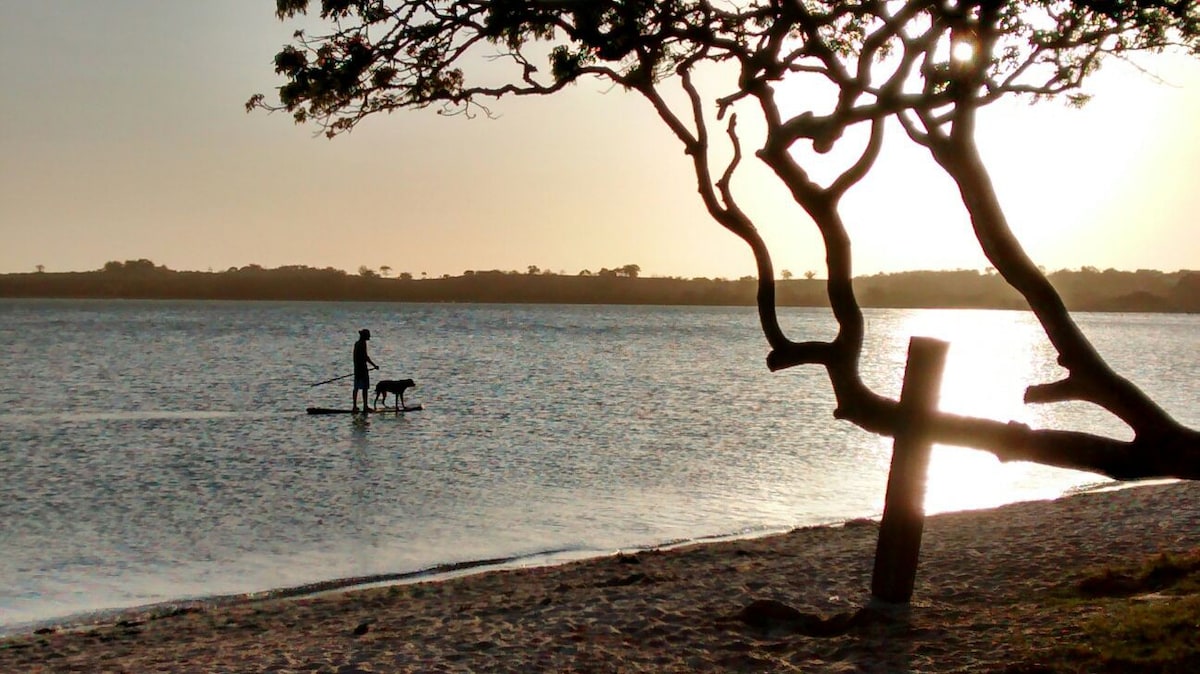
(360,384)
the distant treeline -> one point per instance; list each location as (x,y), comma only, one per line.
(1087,289)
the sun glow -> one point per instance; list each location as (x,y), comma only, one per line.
(963,49)
(993,356)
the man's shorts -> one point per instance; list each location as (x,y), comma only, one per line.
(362,382)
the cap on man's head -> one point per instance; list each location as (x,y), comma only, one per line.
(365,334)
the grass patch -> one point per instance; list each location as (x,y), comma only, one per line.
(1165,572)
(1159,635)
(1147,620)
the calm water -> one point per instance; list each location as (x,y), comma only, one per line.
(154,451)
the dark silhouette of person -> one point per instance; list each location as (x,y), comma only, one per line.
(362,377)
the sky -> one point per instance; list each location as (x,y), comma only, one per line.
(124,136)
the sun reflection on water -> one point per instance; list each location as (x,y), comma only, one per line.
(993,356)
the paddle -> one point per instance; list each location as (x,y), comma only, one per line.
(329,380)
(337,378)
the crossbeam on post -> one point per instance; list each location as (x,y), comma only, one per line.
(903,523)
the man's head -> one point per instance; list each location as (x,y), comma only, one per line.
(364,334)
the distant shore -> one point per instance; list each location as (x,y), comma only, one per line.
(1084,290)
(988,596)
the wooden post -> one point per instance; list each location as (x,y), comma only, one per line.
(903,522)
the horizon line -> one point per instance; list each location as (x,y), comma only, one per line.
(392,274)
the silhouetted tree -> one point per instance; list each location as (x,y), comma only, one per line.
(140,267)
(883,62)
(1186,293)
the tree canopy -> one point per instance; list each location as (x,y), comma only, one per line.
(924,66)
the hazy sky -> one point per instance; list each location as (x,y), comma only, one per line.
(123,136)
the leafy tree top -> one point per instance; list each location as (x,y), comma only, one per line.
(883,56)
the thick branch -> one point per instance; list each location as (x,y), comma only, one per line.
(1092,379)
(1174,454)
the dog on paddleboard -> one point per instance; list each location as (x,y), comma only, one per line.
(396,387)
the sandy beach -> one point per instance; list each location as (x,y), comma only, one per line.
(985,599)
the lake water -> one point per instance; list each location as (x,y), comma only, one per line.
(158,451)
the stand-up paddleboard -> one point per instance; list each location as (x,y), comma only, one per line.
(378,410)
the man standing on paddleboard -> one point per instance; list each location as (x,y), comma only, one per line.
(362,377)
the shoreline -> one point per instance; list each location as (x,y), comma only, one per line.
(450,570)
(432,574)
(983,585)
